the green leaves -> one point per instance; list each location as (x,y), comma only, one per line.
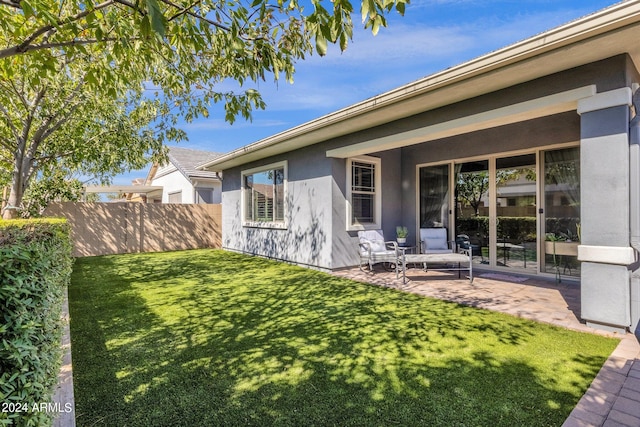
(335,27)
(35,268)
(368,10)
(27,10)
(72,74)
(321,44)
(373,12)
(155,19)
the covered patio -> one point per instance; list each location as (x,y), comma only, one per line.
(614,396)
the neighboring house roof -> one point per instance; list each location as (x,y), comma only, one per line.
(597,36)
(186,160)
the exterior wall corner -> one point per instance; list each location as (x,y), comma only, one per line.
(605,201)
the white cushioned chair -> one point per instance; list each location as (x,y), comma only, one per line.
(434,241)
(374,249)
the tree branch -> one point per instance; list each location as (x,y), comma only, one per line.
(15,50)
(186,11)
(54,127)
(29,44)
(10,125)
(68,153)
(48,127)
(26,44)
(183,11)
(15,5)
(22,140)
(6,143)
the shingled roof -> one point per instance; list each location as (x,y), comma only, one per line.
(186,160)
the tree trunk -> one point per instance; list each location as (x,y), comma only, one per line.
(21,174)
(15,197)
(3,202)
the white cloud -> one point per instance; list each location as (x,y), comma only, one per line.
(400,45)
(402,53)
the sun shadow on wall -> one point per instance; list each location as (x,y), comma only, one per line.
(116,228)
(304,240)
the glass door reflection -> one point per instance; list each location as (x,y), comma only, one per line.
(562,212)
(472,208)
(516,206)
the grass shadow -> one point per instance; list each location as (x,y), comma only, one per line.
(216,338)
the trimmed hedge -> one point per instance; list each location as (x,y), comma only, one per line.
(476,227)
(514,229)
(35,268)
(518,229)
(564,227)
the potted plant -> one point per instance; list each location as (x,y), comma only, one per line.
(563,243)
(401,234)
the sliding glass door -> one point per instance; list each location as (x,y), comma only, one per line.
(562,211)
(516,206)
(472,208)
(503,208)
(434,196)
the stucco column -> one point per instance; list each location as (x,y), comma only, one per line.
(604,186)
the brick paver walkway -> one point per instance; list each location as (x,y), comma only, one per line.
(613,399)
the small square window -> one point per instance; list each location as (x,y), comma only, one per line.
(264,195)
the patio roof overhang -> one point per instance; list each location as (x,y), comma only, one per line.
(140,189)
(601,35)
(545,106)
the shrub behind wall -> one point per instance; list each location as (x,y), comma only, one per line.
(514,229)
(35,268)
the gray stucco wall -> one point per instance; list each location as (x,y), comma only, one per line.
(307,239)
(317,234)
(605,194)
(604,153)
(345,243)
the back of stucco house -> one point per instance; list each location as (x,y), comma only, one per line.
(545,125)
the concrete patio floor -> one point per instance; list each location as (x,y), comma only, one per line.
(613,399)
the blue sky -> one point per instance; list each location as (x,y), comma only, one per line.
(432,36)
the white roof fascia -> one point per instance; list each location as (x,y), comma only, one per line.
(204,181)
(167,169)
(447,84)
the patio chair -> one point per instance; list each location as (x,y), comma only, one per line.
(434,241)
(374,249)
(464,242)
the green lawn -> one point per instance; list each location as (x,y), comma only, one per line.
(210,338)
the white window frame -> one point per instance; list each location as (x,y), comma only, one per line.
(265,224)
(197,190)
(377,182)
